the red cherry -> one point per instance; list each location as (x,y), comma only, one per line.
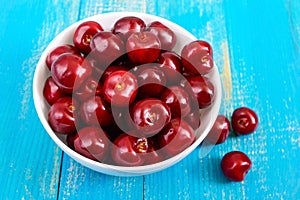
(106,48)
(91,87)
(108,71)
(56,52)
(143,47)
(95,111)
(176,136)
(120,88)
(153,154)
(70,71)
(61,115)
(170,62)
(150,116)
(197,57)
(70,140)
(92,142)
(235,165)
(177,100)
(127,150)
(244,121)
(125,26)
(203,90)
(193,119)
(124,61)
(166,36)
(151,80)
(220,130)
(51,91)
(84,34)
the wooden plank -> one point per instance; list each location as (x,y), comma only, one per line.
(265,74)
(78,182)
(30,161)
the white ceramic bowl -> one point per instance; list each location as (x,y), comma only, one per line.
(107,20)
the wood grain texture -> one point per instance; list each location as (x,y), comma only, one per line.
(30,161)
(257,50)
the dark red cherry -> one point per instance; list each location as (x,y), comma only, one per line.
(56,52)
(235,165)
(244,121)
(125,26)
(70,71)
(95,111)
(61,115)
(124,61)
(70,140)
(171,64)
(193,119)
(176,137)
(120,88)
(197,57)
(150,116)
(177,100)
(51,91)
(153,154)
(92,142)
(220,130)
(106,48)
(166,36)
(143,47)
(203,90)
(91,87)
(84,34)
(109,70)
(128,150)
(151,79)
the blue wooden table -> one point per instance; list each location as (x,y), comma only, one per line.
(257,50)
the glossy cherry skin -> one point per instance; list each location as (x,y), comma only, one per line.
(143,47)
(149,116)
(193,119)
(109,70)
(235,165)
(124,61)
(165,35)
(56,52)
(106,48)
(120,88)
(176,137)
(125,26)
(151,79)
(177,100)
(91,87)
(203,90)
(84,34)
(127,150)
(220,130)
(61,115)
(197,57)
(244,121)
(95,111)
(70,71)
(153,154)
(171,64)
(92,142)
(51,91)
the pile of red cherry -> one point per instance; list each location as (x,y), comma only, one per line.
(124,97)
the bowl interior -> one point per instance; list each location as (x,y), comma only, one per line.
(107,20)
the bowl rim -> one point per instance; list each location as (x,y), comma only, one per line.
(114,169)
